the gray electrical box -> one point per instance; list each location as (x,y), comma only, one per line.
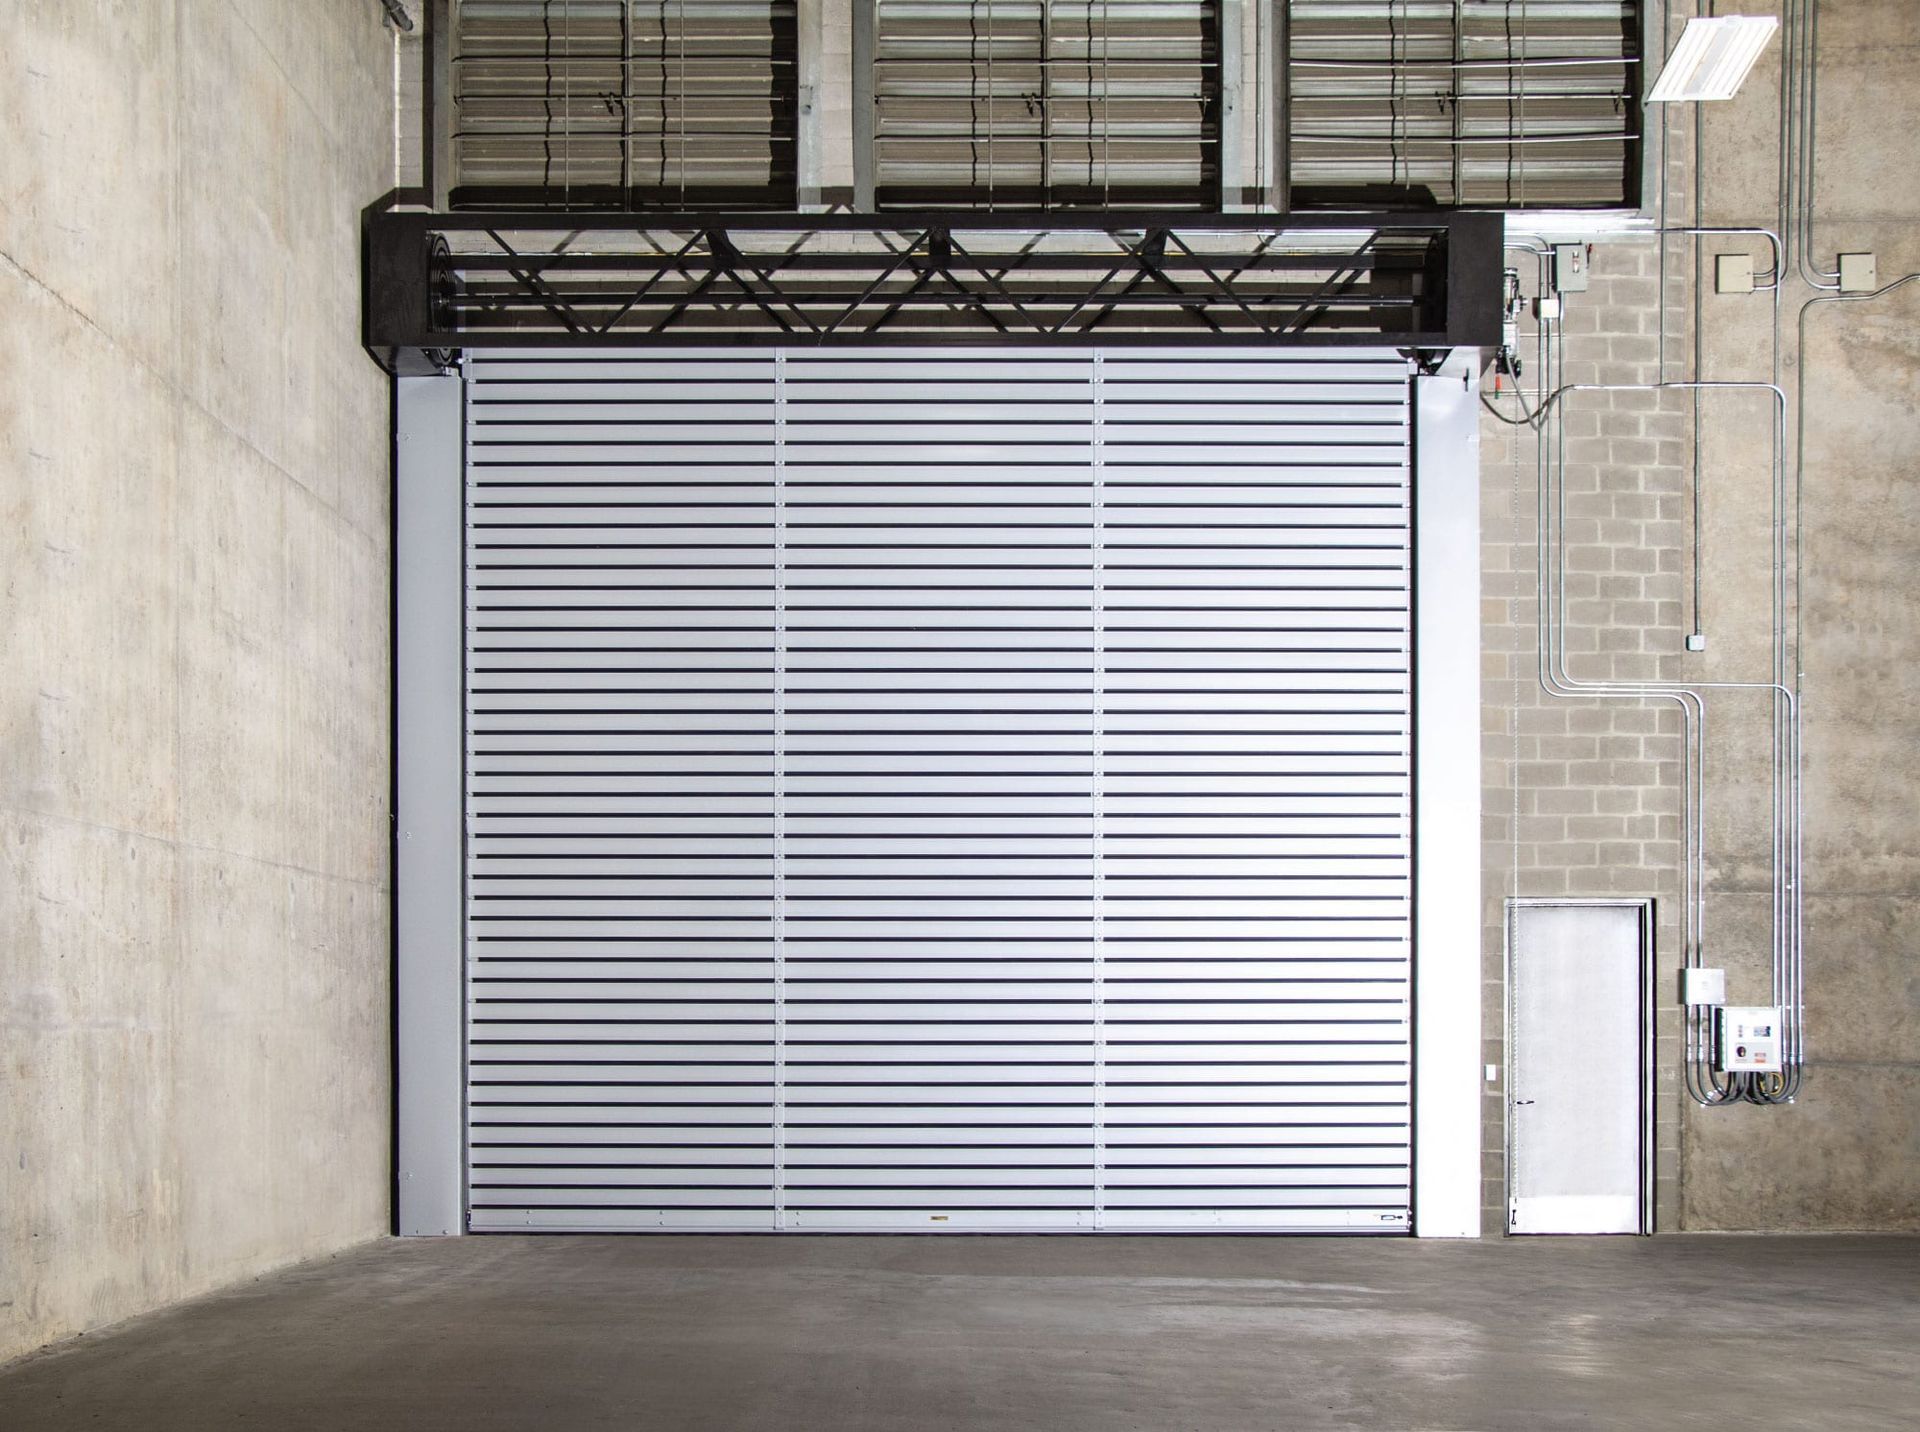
(1749,1040)
(1570,268)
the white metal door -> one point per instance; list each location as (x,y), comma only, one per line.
(1580,1122)
(920,789)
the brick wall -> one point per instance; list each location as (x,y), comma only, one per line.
(1582,797)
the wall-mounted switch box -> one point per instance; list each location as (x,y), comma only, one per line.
(1702,986)
(1570,268)
(1858,273)
(1696,641)
(1749,1039)
(1549,305)
(1733,273)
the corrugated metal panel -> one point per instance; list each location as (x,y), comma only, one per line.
(615,104)
(1255,785)
(1046,103)
(939,790)
(938,685)
(620,674)
(1483,103)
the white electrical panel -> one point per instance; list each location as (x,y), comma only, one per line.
(1703,986)
(1733,273)
(1857,273)
(1749,1039)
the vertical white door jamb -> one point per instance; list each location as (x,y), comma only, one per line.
(428,698)
(1446,922)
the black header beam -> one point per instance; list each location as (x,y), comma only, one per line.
(438,284)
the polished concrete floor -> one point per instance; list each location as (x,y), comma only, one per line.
(1053,1334)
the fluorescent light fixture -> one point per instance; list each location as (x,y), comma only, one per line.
(1713,58)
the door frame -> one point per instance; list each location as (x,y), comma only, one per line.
(429,1060)
(1509,970)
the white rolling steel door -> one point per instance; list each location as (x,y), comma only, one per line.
(955,790)
(621,623)
(939,683)
(1256,791)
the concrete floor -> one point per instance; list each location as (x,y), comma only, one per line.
(1056,1334)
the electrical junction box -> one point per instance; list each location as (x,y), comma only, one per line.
(1749,1039)
(1570,268)
(1857,273)
(1702,986)
(1733,273)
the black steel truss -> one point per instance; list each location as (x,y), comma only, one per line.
(436,284)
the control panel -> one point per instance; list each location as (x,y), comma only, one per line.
(1749,1040)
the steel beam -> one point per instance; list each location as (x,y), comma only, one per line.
(437,284)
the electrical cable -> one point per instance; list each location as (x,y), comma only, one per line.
(1527,420)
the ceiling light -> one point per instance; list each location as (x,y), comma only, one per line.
(1712,58)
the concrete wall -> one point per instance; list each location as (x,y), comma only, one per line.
(193,717)
(1583,798)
